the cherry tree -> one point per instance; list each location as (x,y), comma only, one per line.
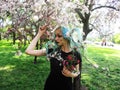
(27,15)
(94,8)
(32,12)
(29,12)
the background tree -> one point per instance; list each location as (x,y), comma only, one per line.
(21,12)
(94,6)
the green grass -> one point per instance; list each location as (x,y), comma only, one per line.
(20,73)
(97,78)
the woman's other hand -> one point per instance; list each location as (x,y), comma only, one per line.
(68,73)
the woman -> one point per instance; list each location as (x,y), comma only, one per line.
(60,78)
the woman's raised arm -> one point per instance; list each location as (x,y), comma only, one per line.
(31,48)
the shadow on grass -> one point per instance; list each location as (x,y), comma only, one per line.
(19,72)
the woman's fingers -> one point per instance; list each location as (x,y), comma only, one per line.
(43,27)
(68,73)
(65,72)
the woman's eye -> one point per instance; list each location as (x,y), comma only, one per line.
(59,36)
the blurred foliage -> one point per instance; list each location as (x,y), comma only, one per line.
(116,38)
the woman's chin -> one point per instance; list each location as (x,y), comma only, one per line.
(58,44)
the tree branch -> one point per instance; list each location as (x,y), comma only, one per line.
(98,30)
(86,3)
(105,7)
(77,10)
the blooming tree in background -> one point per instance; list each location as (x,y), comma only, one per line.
(97,8)
(105,21)
(24,13)
(34,13)
(27,15)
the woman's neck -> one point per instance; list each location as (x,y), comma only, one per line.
(66,48)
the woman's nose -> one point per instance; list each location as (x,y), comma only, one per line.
(56,38)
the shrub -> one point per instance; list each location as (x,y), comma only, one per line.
(116,38)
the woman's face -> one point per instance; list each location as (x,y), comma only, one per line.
(59,38)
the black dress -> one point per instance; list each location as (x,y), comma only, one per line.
(56,80)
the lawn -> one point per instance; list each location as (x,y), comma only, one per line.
(107,75)
(20,73)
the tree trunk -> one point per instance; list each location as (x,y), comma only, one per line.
(25,40)
(85,21)
(14,35)
(35,59)
(0,36)
(86,28)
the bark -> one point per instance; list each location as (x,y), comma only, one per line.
(0,36)
(14,36)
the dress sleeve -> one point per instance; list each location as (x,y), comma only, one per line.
(49,53)
(49,50)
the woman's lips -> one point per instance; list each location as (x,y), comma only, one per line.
(56,42)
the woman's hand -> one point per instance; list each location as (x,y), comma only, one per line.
(68,73)
(31,48)
(42,29)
